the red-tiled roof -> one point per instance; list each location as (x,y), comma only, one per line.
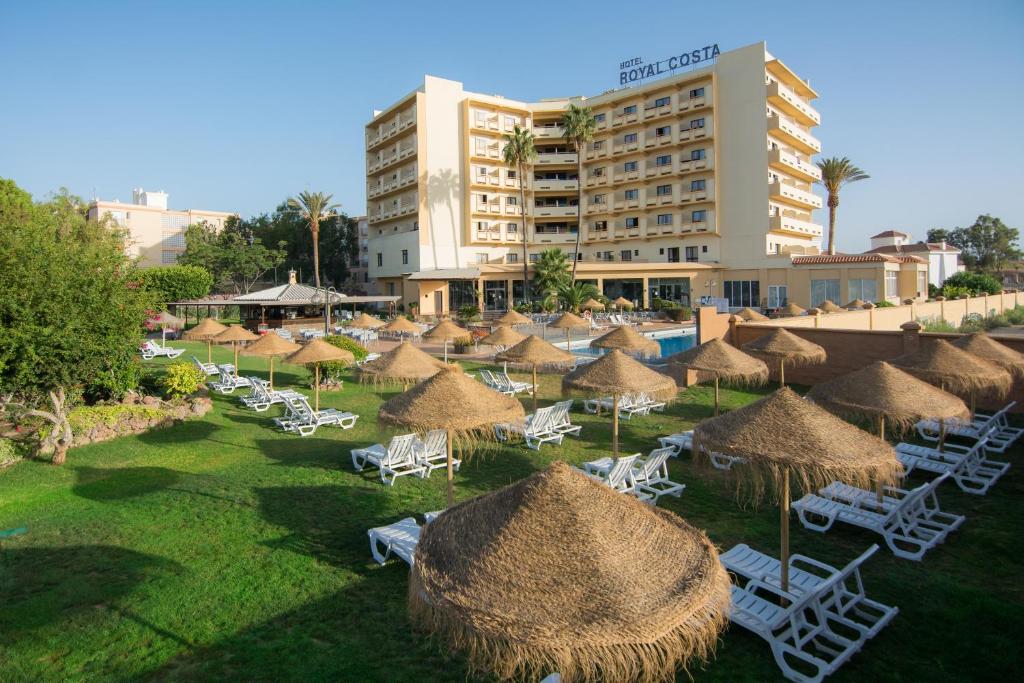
(855,258)
(890,233)
(917,247)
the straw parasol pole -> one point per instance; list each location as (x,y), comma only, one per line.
(316,352)
(205,331)
(401,325)
(782,436)
(592,305)
(451,401)
(270,345)
(404,363)
(165,319)
(534,351)
(628,340)
(569,321)
(567,540)
(445,331)
(616,373)
(750,315)
(782,346)
(723,362)
(235,334)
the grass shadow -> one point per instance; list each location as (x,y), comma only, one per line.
(101,484)
(178,433)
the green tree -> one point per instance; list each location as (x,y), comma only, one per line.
(314,207)
(936,235)
(234,259)
(71,309)
(578,126)
(519,151)
(176,283)
(974,283)
(835,173)
(572,295)
(550,271)
(987,245)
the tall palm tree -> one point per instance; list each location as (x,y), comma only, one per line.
(578,125)
(314,207)
(835,173)
(550,271)
(519,151)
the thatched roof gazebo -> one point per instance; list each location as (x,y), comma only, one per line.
(983,346)
(233,335)
(446,331)
(723,362)
(166,320)
(560,573)
(450,400)
(750,315)
(205,331)
(782,346)
(270,345)
(512,317)
(502,337)
(364,321)
(316,352)
(402,326)
(569,321)
(535,352)
(628,340)
(622,302)
(783,437)
(592,305)
(829,306)
(957,371)
(791,309)
(615,373)
(403,364)
(855,305)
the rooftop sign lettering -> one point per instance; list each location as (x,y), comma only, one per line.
(633,70)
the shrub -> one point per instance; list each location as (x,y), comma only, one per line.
(8,453)
(954,292)
(976,284)
(933,291)
(182,379)
(463,344)
(332,370)
(936,324)
(1015,316)
(469,312)
(884,304)
(664,305)
(84,418)
(972,322)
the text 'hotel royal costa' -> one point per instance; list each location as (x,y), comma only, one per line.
(695,184)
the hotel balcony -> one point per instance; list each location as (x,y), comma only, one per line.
(626,176)
(654,199)
(488,208)
(626,147)
(697,227)
(686,104)
(790,133)
(559,235)
(555,185)
(491,152)
(598,153)
(488,235)
(391,212)
(603,123)
(783,97)
(404,180)
(549,159)
(622,119)
(596,235)
(596,209)
(486,122)
(554,212)
(691,134)
(547,132)
(794,165)
(694,165)
(389,130)
(596,181)
(788,194)
(794,226)
(620,231)
(657,112)
(705,195)
(651,139)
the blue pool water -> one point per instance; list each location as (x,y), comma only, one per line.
(669,345)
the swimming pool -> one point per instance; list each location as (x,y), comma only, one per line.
(671,341)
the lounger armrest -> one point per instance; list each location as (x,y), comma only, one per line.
(794,560)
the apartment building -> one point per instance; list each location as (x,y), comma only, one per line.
(359,275)
(697,184)
(156,234)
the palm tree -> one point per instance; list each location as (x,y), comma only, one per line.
(578,126)
(314,207)
(835,173)
(520,152)
(572,295)
(550,271)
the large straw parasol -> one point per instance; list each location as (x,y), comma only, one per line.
(783,436)
(534,351)
(983,346)
(622,302)
(165,320)
(592,305)
(271,344)
(569,321)
(791,309)
(503,336)
(401,325)
(316,352)
(451,401)
(364,321)
(205,331)
(512,317)
(616,373)
(829,306)
(559,573)
(446,331)
(625,338)
(404,363)
(749,314)
(722,361)
(955,370)
(782,346)
(235,334)
(855,305)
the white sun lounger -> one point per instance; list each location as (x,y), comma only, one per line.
(432,452)
(399,539)
(151,349)
(228,382)
(994,428)
(972,471)
(398,459)
(650,474)
(302,419)
(209,369)
(536,429)
(260,398)
(628,406)
(678,443)
(642,400)
(619,476)
(560,420)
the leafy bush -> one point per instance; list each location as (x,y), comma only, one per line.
(469,312)
(182,379)
(332,370)
(8,452)
(884,304)
(936,324)
(524,307)
(976,284)
(84,418)
(954,292)
(176,283)
(1015,316)
(664,305)
(933,291)
(463,344)
(972,322)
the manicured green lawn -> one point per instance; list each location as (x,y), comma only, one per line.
(224,549)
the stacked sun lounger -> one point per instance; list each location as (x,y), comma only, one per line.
(151,349)
(398,539)
(649,475)
(406,454)
(969,466)
(546,425)
(301,419)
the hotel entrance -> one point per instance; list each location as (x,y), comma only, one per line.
(675,289)
(631,290)
(495,295)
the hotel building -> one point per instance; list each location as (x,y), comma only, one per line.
(156,234)
(697,184)
(359,266)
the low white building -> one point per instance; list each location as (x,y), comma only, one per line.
(943,259)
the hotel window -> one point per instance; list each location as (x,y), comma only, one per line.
(699,216)
(597,172)
(922,283)
(629,137)
(630,166)
(863,289)
(741,293)
(664,219)
(405,257)
(600,225)
(777,296)
(663,131)
(512,228)
(673,254)
(481,258)
(662,102)
(891,287)
(696,92)
(481,171)
(481,226)
(824,289)
(663,190)
(697,185)
(597,199)
(511,201)
(511,122)
(632,222)
(391,289)
(598,118)
(511,175)
(632,194)
(665,160)
(631,109)
(696,123)
(625,255)
(380,260)
(534,257)
(598,144)
(691,254)
(697,154)
(512,257)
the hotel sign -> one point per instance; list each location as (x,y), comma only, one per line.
(633,70)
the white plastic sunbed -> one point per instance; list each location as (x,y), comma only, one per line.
(260,398)
(151,349)
(628,406)
(619,476)
(560,420)
(680,442)
(228,382)
(432,452)
(399,539)
(302,419)
(970,467)
(398,459)
(536,429)
(209,369)
(995,428)
(650,475)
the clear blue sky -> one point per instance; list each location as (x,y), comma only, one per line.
(235,105)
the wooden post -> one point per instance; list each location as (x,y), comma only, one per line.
(451,471)
(316,390)
(209,350)
(234,347)
(716,395)
(782,373)
(535,387)
(615,425)
(881,435)
(784,530)
(271,373)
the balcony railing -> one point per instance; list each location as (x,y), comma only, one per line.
(555,185)
(790,132)
(794,165)
(548,158)
(547,132)
(782,192)
(783,97)
(794,225)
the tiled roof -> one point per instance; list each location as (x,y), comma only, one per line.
(286,294)
(890,233)
(855,258)
(917,247)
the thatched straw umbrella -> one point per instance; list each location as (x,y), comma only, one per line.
(316,352)
(401,325)
(451,401)
(366,322)
(270,345)
(404,363)
(749,314)
(205,331)
(955,370)
(722,361)
(628,340)
(592,305)
(512,317)
(235,334)
(503,336)
(616,373)
(791,309)
(569,321)
(534,351)
(165,320)
(559,573)
(782,346)
(446,331)
(829,306)
(622,302)
(782,435)
(855,305)
(983,346)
